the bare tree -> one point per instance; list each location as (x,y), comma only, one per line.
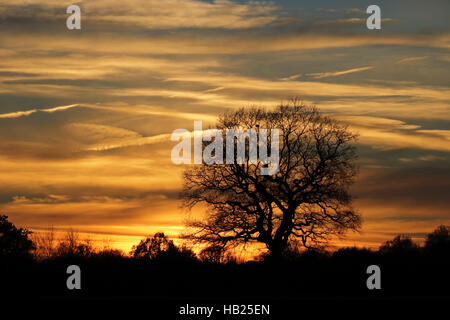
(72,245)
(45,243)
(307,199)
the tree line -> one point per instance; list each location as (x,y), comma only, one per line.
(16,242)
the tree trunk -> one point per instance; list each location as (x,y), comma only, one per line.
(276,250)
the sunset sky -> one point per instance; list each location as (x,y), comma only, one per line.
(86,115)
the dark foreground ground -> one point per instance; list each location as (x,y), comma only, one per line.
(311,283)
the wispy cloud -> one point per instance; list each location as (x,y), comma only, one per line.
(109,137)
(412,59)
(338,73)
(19,114)
(290,78)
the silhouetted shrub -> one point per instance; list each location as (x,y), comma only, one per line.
(400,245)
(161,247)
(439,240)
(293,252)
(352,254)
(177,254)
(110,253)
(14,242)
(152,247)
(314,255)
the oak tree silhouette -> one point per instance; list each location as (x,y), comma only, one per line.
(308,199)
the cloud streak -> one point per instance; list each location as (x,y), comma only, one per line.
(19,114)
(338,73)
(411,59)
